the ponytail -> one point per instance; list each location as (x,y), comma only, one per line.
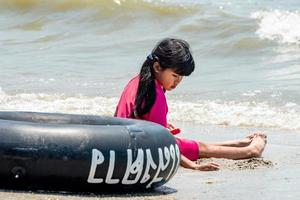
(146,92)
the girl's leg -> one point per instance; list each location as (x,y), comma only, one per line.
(232,143)
(237,143)
(254,149)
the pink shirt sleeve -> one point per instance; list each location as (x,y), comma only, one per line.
(159,111)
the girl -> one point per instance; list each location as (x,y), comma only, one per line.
(144,98)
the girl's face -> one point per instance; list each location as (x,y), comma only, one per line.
(167,78)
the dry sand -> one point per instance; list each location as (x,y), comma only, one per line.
(275,176)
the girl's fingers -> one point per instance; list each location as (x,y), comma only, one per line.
(170,126)
(215,164)
(208,167)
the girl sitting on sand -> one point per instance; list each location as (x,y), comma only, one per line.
(144,98)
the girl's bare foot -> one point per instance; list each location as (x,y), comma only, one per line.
(256,133)
(250,137)
(257,145)
(264,136)
(245,142)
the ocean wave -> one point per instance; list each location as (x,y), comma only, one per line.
(228,113)
(105,6)
(282,26)
(248,43)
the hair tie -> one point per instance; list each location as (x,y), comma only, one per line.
(152,57)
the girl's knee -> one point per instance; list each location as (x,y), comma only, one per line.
(203,149)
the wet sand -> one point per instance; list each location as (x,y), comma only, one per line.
(275,176)
(252,163)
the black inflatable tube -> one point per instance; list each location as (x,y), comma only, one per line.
(84,152)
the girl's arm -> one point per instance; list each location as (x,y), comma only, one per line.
(187,163)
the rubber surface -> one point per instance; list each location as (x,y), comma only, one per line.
(84,152)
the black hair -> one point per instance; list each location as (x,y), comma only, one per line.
(170,53)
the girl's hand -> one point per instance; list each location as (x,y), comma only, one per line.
(187,163)
(173,129)
(207,167)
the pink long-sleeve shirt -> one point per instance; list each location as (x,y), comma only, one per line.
(158,112)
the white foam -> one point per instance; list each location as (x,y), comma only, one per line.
(249,114)
(282,26)
(243,114)
(251,93)
(58,103)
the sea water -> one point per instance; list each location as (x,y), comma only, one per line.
(76,56)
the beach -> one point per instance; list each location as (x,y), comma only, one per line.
(274,176)
(76,56)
